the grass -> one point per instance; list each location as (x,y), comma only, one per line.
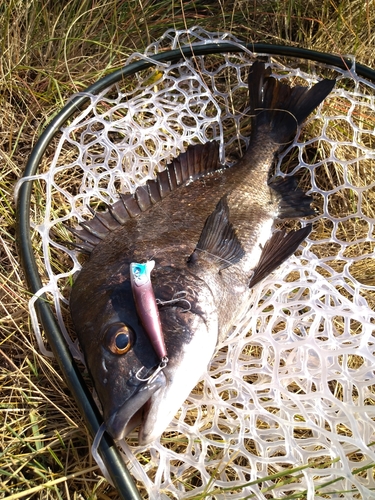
(49,52)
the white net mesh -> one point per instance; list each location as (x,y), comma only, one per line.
(293,384)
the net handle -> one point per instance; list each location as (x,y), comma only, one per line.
(108,450)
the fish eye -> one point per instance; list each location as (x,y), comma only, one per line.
(119,338)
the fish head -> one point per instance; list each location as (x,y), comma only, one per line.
(122,362)
(118,353)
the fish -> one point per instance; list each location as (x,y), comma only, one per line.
(204,234)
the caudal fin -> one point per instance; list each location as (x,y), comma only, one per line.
(278,107)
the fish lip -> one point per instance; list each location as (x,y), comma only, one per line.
(117,423)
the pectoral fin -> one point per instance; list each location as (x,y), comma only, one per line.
(218,243)
(278,248)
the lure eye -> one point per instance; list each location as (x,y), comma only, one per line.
(119,338)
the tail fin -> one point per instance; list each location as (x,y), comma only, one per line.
(279,107)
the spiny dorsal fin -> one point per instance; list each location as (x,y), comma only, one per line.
(278,248)
(218,243)
(199,159)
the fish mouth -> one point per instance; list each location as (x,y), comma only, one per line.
(129,415)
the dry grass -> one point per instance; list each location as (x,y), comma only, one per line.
(48,53)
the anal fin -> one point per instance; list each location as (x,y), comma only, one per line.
(218,243)
(294,203)
(278,248)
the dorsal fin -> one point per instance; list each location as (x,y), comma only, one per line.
(199,159)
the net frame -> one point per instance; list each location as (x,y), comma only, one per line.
(261,327)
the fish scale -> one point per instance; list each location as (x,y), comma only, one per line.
(209,231)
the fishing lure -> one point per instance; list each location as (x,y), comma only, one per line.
(147,309)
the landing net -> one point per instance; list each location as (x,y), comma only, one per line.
(293,384)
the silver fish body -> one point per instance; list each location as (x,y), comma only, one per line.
(209,231)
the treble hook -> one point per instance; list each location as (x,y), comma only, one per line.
(177,297)
(163,363)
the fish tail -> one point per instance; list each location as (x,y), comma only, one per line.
(279,109)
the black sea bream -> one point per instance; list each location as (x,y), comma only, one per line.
(208,230)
